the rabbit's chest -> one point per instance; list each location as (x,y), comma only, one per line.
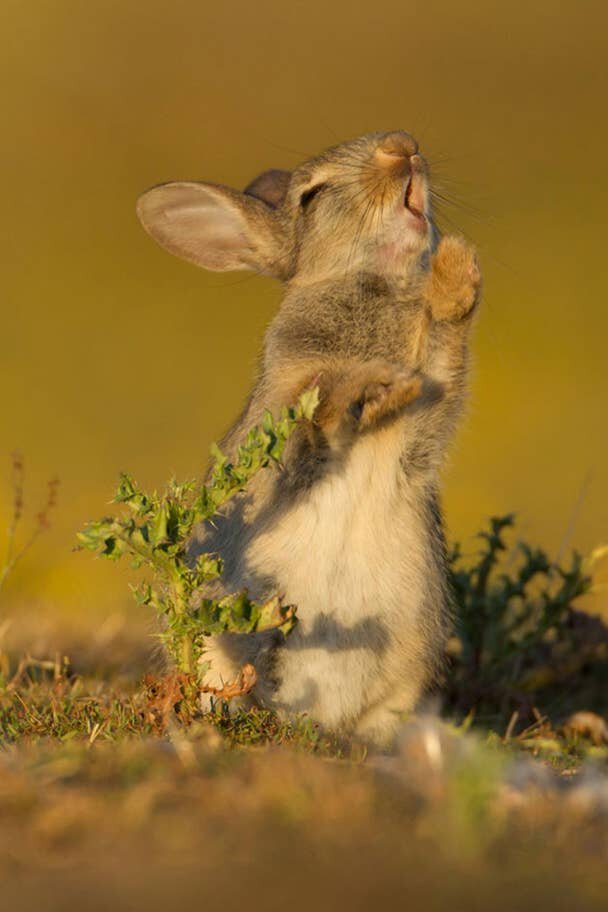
(351,326)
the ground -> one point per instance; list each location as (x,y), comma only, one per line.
(104,805)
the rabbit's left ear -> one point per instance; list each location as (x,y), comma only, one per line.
(213,226)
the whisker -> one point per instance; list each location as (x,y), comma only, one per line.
(459,204)
(440,217)
(361,224)
(302,156)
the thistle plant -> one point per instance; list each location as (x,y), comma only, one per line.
(154,531)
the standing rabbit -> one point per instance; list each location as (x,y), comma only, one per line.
(376,312)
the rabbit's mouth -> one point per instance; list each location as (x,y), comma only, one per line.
(414,200)
(409,191)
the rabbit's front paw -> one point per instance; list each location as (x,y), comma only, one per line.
(361,396)
(386,392)
(454,282)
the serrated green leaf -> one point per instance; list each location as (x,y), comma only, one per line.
(307,403)
(157,526)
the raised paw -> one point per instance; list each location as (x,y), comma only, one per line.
(384,396)
(454,283)
(366,395)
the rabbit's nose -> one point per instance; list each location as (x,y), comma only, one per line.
(398,143)
(394,151)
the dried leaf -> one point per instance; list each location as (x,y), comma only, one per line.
(587,725)
(244,682)
(163,695)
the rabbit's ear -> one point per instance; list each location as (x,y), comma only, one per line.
(270,187)
(212,226)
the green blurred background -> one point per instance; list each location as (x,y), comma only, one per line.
(116,356)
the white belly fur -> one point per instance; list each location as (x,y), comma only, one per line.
(349,557)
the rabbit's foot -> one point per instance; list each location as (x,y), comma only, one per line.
(454,283)
(218,671)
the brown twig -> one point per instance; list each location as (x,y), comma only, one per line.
(535,726)
(511,726)
(28,662)
(42,517)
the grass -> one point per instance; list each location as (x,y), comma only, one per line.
(43,701)
(99,808)
(46,701)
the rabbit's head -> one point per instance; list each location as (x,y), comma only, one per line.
(360,206)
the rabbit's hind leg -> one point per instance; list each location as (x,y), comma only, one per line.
(379,726)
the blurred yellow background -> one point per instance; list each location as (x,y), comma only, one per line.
(116,356)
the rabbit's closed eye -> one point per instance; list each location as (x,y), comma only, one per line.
(309,195)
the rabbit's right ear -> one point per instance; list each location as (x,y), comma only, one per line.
(270,186)
(213,226)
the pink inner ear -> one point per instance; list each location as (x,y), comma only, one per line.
(209,235)
(199,223)
(212,225)
(270,187)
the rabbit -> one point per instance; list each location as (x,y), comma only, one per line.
(376,312)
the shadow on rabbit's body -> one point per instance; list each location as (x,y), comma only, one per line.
(376,313)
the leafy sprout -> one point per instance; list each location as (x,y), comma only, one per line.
(154,531)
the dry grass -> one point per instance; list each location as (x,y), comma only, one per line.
(97,809)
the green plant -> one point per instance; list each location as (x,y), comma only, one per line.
(512,627)
(156,529)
